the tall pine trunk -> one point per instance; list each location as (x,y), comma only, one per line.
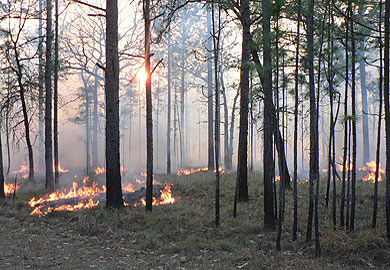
(169,106)
(210,94)
(149,119)
(113,175)
(56,161)
(49,185)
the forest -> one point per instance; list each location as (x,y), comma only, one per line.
(195,134)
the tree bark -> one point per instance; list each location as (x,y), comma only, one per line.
(210,94)
(268,167)
(169,106)
(149,119)
(113,175)
(41,148)
(56,161)
(2,193)
(387,113)
(242,165)
(49,186)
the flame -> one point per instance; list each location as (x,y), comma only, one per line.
(10,188)
(60,169)
(86,197)
(371,168)
(100,170)
(165,197)
(23,171)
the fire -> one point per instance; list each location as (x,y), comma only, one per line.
(23,171)
(10,188)
(86,196)
(203,169)
(165,197)
(60,169)
(371,168)
(100,170)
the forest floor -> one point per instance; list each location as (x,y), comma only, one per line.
(183,235)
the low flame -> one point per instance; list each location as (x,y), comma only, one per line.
(100,170)
(23,171)
(371,168)
(87,196)
(60,169)
(10,188)
(195,170)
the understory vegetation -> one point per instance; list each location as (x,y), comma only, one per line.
(183,235)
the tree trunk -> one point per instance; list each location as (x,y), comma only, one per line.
(149,118)
(169,106)
(40,91)
(342,205)
(363,88)
(49,186)
(231,131)
(2,193)
(95,155)
(210,94)
(387,114)
(226,148)
(56,161)
(353,104)
(242,165)
(217,108)
(268,167)
(295,224)
(113,174)
(182,94)
(378,144)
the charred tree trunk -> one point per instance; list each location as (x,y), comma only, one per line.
(149,118)
(113,174)
(49,186)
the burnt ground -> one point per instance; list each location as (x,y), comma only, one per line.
(183,235)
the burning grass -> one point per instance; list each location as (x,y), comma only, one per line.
(183,235)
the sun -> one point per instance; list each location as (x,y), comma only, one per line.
(142,74)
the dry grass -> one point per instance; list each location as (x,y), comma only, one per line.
(183,236)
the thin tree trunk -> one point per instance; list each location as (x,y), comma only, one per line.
(342,205)
(387,114)
(182,93)
(217,109)
(353,104)
(226,122)
(210,94)
(113,175)
(363,88)
(7,141)
(169,106)
(56,161)
(41,148)
(231,131)
(2,179)
(49,186)
(295,224)
(349,175)
(95,154)
(378,144)
(149,118)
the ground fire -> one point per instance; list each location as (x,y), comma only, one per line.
(89,194)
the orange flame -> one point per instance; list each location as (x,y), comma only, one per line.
(371,168)
(60,169)
(203,169)
(10,188)
(100,170)
(165,197)
(23,171)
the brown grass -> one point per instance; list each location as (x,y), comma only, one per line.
(183,236)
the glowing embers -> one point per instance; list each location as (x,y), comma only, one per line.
(89,195)
(195,170)
(23,171)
